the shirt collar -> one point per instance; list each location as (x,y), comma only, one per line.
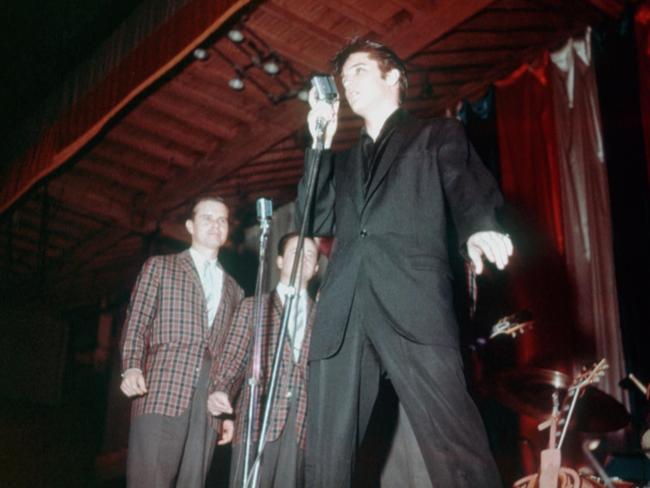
(389,124)
(200,260)
(283,290)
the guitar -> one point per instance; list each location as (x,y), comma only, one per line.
(514,324)
(584,379)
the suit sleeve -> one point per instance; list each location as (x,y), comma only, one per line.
(470,190)
(323,217)
(233,361)
(140,315)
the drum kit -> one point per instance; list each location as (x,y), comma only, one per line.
(562,404)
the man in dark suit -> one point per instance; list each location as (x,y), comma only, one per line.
(180,307)
(282,461)
(386,303)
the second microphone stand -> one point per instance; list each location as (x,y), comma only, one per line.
(314,159)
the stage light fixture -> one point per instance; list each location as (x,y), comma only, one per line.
(271,67)
(235,35)
(236,83)
(201,54)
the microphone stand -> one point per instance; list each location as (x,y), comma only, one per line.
(588,447)
(254,380)
(314,160)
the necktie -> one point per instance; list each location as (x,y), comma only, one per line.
(210,283)
(367,151)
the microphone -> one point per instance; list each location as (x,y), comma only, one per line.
(325,87)
(264,209)
(326,91)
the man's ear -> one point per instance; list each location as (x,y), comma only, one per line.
(189,225)
(279,262)
(393,77)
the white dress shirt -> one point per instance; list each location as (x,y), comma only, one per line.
(211,276)
(297,320)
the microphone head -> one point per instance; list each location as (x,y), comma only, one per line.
(325,88)
(264,209)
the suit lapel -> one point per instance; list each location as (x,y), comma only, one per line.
(393,148)
(351,178)
(187,263)
(227,298)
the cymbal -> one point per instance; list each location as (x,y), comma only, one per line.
(529,391)
(598,412)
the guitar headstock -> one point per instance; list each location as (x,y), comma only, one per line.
(591,375)
(514,324)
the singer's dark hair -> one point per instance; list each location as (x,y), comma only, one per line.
(203,197)
(282,243)
(385,57)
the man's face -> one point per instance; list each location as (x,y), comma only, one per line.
(365,85)
(209,225)
(309,260)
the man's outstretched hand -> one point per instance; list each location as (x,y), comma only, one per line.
(496,247)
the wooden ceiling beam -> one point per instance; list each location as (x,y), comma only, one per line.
(123,174)
(183,87)
(359,16)
(96,203)
(135,146)
(416,34)
(520,19)
(229,157)
(198,117)
(276,9)
(172,127)
(76,259)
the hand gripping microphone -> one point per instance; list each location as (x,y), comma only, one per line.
(326,91)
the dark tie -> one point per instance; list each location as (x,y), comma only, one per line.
(367,153)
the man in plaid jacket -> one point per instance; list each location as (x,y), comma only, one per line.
(180,308)
(282,461)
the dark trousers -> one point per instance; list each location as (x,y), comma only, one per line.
(282,462)
(173,451)
(430,385)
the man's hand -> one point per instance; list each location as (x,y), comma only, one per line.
(226,432)
(324,111)
(218,403)
(133,383)
(496,247)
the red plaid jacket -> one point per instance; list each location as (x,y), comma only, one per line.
(234,368)
(166,333)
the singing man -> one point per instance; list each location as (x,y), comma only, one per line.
(386,302)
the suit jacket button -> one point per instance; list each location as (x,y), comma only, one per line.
(289,394)
(363,233)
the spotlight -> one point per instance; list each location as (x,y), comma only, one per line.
(235,35)
(201,54)
(271,67)
(236,83)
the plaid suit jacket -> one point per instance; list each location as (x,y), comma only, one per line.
(234,366)
(166,331)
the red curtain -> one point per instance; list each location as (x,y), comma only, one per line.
(530,183)
(642,19)
(531,186)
